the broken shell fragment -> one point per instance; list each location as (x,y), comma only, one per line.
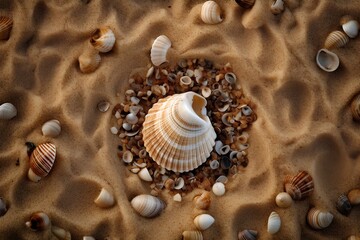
(350,26)
(248,235)
(299,186)
(245,3)
(274,223)
(343,204)
(103,106)
(89,61)
(103,39)
(205,92)
(38,221)
(177,197)
(336,39)
(355,108)
(3,208)
(218,189)
(51,128)
(354,196)
(60,233)
(159,50)
(327,60)
(7,111)
(277,7)
(105,199)
(147,205)
(41,161)
(283,200)
(318,219)
(192,235)
(5,27)
(203,201)
(203,221)
(211,13)
(145,175)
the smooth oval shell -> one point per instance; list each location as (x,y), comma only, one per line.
(355,108)
(61,233)
(203,221)
(351,28)
(274,223)
(38,221)
(3,208)
(354,196)
(245,3)
(318,219)
(336,39)
(51,128)
(327,60)
(5,27)
(211,13)
(203,201)
(192,235)
(103,39)
(7,111)
(147,205)
(218,189)
(89,61)
(283,200)
(145,175)
(105,199)
(41,161)
(177,133)
(277,7)
(159,50)
(248,235)
(343,204)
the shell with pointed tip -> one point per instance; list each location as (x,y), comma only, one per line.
(103,39)
(203,201)
(3,208)
(89,61)
(245,3)
(350,26)
(192,235)
(38,221)
(283,200)
(274,223)
(7,111)
(336,39)
(354,196)
(60,233)
(5,27)
(211,13)
(327,60)
(105,199)
(159,50)
(299,186)
(51,128)
(41,161)
(177,133)
(343,204)
(355,108)
(277,7)
(147,205)
(248,235)
(318,219)
(203,221)
(145,175)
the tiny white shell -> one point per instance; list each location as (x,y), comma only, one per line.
(177,197)
(274,223)
(283,200)
(105,199)
(51,128)
(60,233)
(159,50)
(277,7)
(145,175)
(179,183)
(203,221)
(88,238)
(7,111)
(147,205)
(351,27)
(211,13)
(218,146)
(218,189)
(206,92)
(89,60)
(103,39)
(327,60)
(131,118)
(103,106)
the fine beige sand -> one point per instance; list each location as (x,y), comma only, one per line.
(304,118)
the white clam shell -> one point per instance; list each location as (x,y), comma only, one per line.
(318,219)
(192,235)
(211,13)
(179,183)
(283,200)
(61,233)
(277,7)
(159,50)
(51,128)
(103,39)
(7,111)
(218,189)
(105,199)
(145,175)
(351,28)
(203,221)
(274,223)
(336,39)
(147,205)
(327,60)
(89,60)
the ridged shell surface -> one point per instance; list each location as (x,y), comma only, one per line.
(211,13)
(336,39)
(274,223)
(192,235)
(318,219)
(248,235)
(245,3)
(42,160)
(7,111)
(103,39)
(89,60)
(159,50)
(355,108)
(5,27)
(147,205)
(299,186)
(51,128)
(327,60)
(177,133)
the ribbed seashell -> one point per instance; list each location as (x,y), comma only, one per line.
(355,108)
(145,175)
(350,26)
(245,3)
(327,60)
(274,223)
(343,204)
(318,219)
(41,161)
(51,128)
(105,199)
(230,77)
(354,196)
(38,221)
(89,60)
(203,201)
(218,189)
(7,111)
(103,39)
(277,7)
(192,235)
(336,39)
(3,208)
(299,186)
(61,233)
(211,13)
(147,205)
(248,235)
(203,221)
(159,50)
(177,197)
(283,200)
(177,133)
(5,27)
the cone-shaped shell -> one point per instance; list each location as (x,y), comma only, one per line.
(318,219)
(245,3)
(159,50)
(203,221)
(41,161)
(5,27)
(248,235)
(89,60)
(38,221)
(274,223)
(60,233)
(355,108)
(105,199)
(51,128)
(192,235)
(350,26)
(7,111)
(177,133)
(336,39)
(103,39)
(299,186)
(211,13)
(327,60)
(343,204)
(147,205)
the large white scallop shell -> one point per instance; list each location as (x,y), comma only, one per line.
(41,161)
(327,60)
(211,13)
(177,133)
(147,205)
(103,39)
(159,50)
(89,60)
(318,219)
(203,221)
(7,111)
(336,39)
(274,223)
(5,27)
(105,199)
(51,128)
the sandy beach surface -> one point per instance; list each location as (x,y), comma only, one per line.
(304,118)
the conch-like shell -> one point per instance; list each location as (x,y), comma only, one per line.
(350,26)
(159,50)
(51,128)
(283,200)
(105,199)
(245,3)
(60,233)
(318,219)
(7,111)
(38,221)
(5,27)
(248,235)
(177,133)
(147,205)
(354,196)
(299,186)
(343,204)
(203,201)
(41,161)
(192,235)
(103,39)
(211,13)
(277,7)
(3,208)
(355,108)
(336,39)
(327,60)
(89,60)
(274,223)
(203,221)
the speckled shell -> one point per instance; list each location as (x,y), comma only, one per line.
(177,133)
(274,223)
(327,60)
(105,199)
(355,108)
(159,50)
(343,204)
(51,128)
(89,60)
(192,235)
(245,3)
(147,205)
(5,27)
(299,186)
(103,39)
(38,221)
(248,235)
(336,39)
(41,161)
(318,219)
(203,221)
(7,111)
(211,13)
(350,26)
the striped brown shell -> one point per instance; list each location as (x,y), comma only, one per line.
(336,39)
(248,235)
(299,186)
(319,219)
(5,27)
(41,161)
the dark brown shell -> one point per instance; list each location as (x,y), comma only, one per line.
(343,204)
(5,27)
(248,235)
(245,3)
(3,208)
(299,186)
